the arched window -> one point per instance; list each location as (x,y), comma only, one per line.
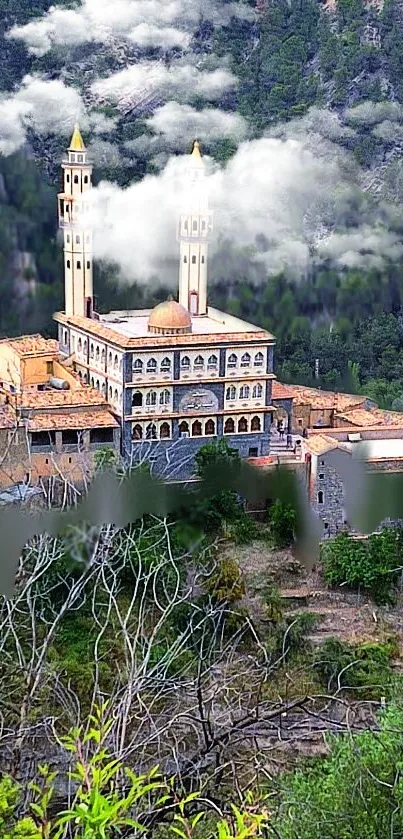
(104,388)
(194,224)
(103,357)
(110,392)
(193,260)
(242,425)
(257,392)
(165,430)
(110,359)
(245,360)
(80,374)
(85,347)
(165,397)
(115,363)
(244,392)
(151,366)
(196,429)
(231,393)
(255,424)
(198,363)
(77,239)
(97,384)
(137,366)
(258,361)
(212,363)
(151,398)
(137,399)
(202,259)
(185,362)
(68,263)
(185,259)
(151,431)
(97,355)
(183,428)
(79,345)
(165,365)
(78,264)
(229,426)
(209,427)
(320,496)
(65,336)
(92,381)
(88,264)
(232,361)
(115,396)
(85,179)
(85,377)
(91,350)
(137,432)
(76,179)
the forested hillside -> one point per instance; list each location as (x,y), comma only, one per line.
(296,65)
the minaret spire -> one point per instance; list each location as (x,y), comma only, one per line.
(195,224)
(77,176)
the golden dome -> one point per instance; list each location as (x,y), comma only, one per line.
(169,318)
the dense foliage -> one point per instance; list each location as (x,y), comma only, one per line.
(373,564)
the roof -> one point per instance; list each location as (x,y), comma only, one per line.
(81,420)
(129,330)
(76,142)
(261,462)
(320,444)
(363,418)
(170,315)
(280,391)
(61,398)
(318,399)
(32,345)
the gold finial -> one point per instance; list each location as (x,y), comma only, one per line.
(196,149)
(77,142)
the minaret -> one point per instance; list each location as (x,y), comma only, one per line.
(195,224)
(77,173)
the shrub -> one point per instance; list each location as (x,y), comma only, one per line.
(283,520)
(226,583)
(244,530)
(371,564)
(364,668)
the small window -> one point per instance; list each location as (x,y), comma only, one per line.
(229,426)
(76,179)
(300,422)
(253,452)
(230,393)
(320,497)
(77,240)
(49,367)
(85,179)
(258,361)
(245,360)
(165,365)
(212,362)
(185,362)
(68,178)
(88,264)
(138,366)
(87,239)
(322,462)
(151,366)
(68,264)
(72,156)
(202,259)
(321,476)
(78,264)
(68,237)
(193,260)
(232,361)
(194,225)
(199,363)
(80,158)
(185,259)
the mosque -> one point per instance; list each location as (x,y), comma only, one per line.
(175,376)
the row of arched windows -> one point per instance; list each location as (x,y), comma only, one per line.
(241,426)
(150,432)
(152,366)
(78,264)
(195,225)
(113,393)
(195,429)
(151,398)
(244,392)
(99,355)
(194,259)
(246,360)
(199,363)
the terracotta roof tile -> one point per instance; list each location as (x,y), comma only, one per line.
(61,398)
(32,345)
(317,398)
(280,391)
(321,444)
(81,420)
(362,418)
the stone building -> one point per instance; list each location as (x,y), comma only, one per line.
(176,376)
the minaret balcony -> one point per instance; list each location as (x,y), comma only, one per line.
(68,224)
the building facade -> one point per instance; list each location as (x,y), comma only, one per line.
(181,374)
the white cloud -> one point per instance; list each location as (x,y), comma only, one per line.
(48,107)
(276,191)
(138,81)
(179,124)
(167,22)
